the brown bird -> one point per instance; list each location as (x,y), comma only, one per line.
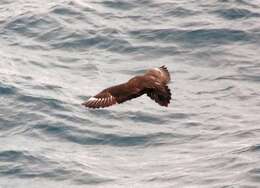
(153,83)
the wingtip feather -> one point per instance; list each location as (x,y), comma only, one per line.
(94,102)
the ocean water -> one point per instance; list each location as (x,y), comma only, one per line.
(56,54)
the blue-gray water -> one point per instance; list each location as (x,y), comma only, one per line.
(56,54)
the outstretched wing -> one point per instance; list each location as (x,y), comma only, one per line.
(160,74)
(166,73)
(113,95)
(161,96)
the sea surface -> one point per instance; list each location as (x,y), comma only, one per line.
(54,55)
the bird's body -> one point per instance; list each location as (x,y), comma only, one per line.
(153,83)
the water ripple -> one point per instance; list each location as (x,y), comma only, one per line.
(235,13)
(32,167)
(7,89)
(29,25)
(121,5)
(195,37)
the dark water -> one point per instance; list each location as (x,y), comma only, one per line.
(56,54)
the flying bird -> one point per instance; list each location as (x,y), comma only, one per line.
(153,83)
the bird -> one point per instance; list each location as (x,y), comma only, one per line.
(153,83)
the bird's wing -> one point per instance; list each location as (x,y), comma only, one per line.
(162,95)
(166,73)
(161,74)
(113,95)
(101,100)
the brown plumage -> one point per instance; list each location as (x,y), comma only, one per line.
(153,83)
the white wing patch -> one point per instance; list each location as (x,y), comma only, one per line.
(94,102)
(92,99)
